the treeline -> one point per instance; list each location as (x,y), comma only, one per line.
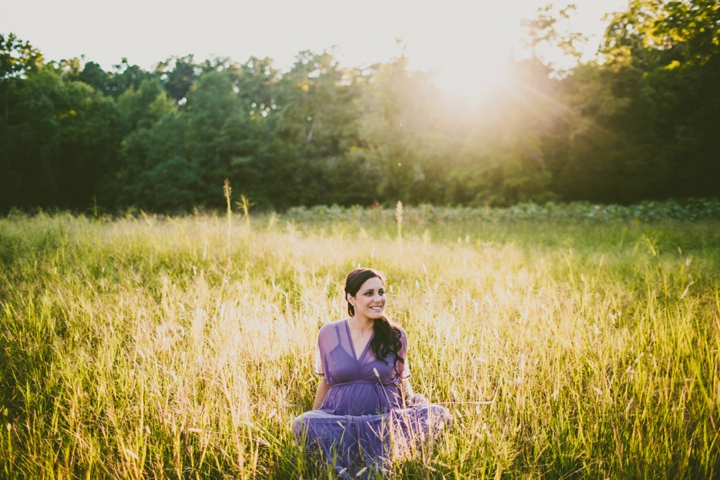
(642,123)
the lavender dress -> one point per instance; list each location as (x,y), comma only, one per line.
(362,421)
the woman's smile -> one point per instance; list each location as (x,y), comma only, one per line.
(369,302)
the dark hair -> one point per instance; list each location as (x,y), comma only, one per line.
(387,334)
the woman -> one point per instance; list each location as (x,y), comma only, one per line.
(365,410)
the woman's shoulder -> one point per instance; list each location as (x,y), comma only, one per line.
(331,326)
(403,335)
(402,330)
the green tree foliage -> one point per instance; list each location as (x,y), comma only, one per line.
(152,153)
(317,124)
(114,83)
(644,123)
(638,123)
(58,138)
(404,137)
(178,74)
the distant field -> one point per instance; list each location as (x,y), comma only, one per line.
(157,347)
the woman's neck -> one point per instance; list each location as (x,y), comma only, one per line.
(362,324)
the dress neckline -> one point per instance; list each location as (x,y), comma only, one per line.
(352,345)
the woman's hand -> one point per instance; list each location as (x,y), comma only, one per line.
(411,398)
(417,399)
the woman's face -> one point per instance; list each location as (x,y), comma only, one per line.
(369,301)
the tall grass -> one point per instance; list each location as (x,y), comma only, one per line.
(146,348)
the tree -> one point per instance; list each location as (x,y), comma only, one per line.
(663,65)
(403,133)
(17,59)
(153,134)
(211,105)
(61,134)
(114,83)
(317,122)
(178,74)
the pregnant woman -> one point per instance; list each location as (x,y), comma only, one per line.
(365,412)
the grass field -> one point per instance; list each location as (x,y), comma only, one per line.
(154,347)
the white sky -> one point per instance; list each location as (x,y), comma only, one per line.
(466,40)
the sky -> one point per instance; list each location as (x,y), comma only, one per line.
(465,42)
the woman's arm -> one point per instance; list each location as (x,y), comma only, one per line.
(322,390)
(410,397)
(407,389)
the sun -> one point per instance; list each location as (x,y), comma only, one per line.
(473,78)
(469,49)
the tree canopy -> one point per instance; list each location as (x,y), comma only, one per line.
(639,122)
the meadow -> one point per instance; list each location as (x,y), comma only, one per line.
(157,347)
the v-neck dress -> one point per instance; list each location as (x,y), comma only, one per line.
(363,407)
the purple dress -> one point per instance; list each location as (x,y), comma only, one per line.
(362,422)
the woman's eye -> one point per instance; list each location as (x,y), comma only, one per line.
(381,292)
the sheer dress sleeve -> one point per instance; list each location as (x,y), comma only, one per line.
(403,369)
(318,362)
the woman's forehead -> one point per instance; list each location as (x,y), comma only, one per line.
(372,284)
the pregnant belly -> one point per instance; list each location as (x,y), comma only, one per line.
(361,399)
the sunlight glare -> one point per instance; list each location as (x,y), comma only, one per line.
(469,46)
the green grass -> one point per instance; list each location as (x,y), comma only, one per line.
(154,348)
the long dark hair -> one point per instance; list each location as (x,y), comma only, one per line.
(387,334)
